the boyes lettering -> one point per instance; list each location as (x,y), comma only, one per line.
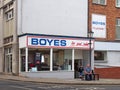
(48,42)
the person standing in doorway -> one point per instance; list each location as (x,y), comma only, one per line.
(76,70)
(81,72)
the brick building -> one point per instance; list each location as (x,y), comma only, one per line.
(104,21)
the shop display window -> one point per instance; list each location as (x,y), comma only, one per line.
(39,60)
(62,59)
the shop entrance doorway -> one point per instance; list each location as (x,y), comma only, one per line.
(8,60)
(8,63)
(77,63)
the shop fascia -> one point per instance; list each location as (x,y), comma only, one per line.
(55,42)
(52,43)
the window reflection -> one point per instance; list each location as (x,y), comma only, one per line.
(62,60)
(39,60)
(99,55)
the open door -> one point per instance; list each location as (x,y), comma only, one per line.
(77,63)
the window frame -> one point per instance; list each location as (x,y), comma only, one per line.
(9,15)
(117,25)
(104,53)
(99,2)
(117,3)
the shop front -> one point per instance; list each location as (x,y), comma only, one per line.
(51,56)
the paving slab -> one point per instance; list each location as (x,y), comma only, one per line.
(62,81)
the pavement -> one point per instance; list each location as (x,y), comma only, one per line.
(61,81)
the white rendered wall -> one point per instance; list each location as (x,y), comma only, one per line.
(53,17)
(22,42)
(114,46)
(114,58)
(48,74)
(113,53)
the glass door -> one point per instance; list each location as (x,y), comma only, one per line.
(8,63)
(8,60)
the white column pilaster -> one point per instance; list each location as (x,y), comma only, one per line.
(51,59)
(19,61)
(26,60)
(73,51)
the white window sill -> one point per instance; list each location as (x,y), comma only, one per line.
(101,61)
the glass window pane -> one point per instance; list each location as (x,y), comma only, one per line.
(118,22)
(117,32)
(94,1)
(42,60)
(102,2)
(38,60)
(99,2)
(62,59)
(99,55)
(117,3)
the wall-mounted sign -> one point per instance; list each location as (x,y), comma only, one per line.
(99,25)
(40,41)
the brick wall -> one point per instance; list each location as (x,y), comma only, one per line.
(112,72)
(111,12)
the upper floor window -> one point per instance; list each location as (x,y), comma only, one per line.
(118,28)
(9,15)
(8,40)
(117,3)
(102,2)
(8,50)
(8,11)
